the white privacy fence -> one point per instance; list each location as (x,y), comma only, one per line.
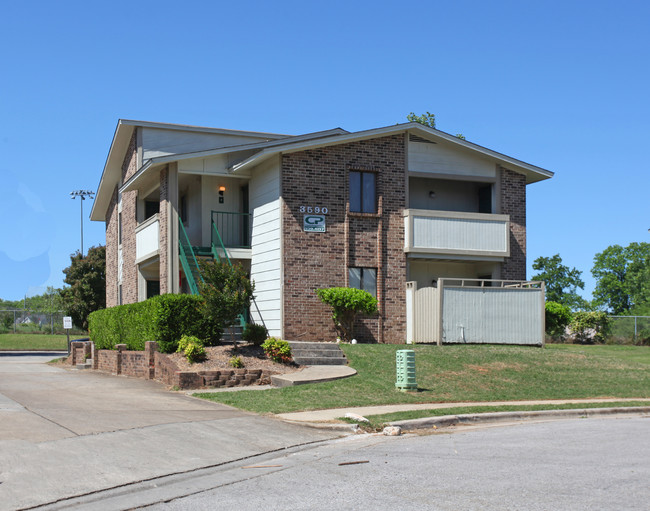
(476,311)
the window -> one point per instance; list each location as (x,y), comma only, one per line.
(364,278)
(363,196)
(153,288)
(151,208)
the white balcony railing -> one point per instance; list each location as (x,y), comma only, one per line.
(147,238)
(456,234)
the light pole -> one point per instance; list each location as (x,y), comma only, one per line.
(82,194)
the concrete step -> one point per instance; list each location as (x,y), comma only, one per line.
(319,361)
(317,353)
(295,345)
(88,364)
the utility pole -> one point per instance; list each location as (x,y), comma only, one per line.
(82,194)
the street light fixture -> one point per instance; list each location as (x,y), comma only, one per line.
(82,194)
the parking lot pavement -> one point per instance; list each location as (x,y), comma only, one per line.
(65,433)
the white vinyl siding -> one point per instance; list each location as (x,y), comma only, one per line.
(266,260)
(163,142)
(443,158)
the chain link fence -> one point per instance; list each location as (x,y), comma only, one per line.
(629,330)
(21,321)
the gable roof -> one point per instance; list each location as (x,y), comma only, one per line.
(532,172)
(270,146)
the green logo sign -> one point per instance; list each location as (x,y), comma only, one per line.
(313,223)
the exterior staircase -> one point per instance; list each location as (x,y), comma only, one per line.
(317,353)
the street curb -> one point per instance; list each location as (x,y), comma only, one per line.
(346,428)
(447,421)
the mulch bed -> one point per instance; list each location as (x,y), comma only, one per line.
(218,357)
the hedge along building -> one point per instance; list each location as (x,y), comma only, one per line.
(432,225)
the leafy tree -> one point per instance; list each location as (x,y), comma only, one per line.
(428,119)
(558,316)
(561,281)
(622,277)
(227,293)
(347,303)
(86,277)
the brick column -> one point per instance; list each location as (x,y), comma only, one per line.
(513,203)
(150,348)
(118,360)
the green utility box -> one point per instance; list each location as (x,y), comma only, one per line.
(405,365)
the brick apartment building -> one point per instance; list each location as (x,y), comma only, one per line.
(394,210)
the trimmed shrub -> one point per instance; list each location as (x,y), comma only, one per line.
(558,316)
(164,319)
(277,350)
(255,333)
(347,303)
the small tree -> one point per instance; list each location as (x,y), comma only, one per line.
(227,293)
(558,316)
(86,277)
(590,327)
(347,303)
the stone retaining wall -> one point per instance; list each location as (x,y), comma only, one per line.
(152,365)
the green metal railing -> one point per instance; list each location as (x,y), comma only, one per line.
(188,259)
(219,251)
(234,228)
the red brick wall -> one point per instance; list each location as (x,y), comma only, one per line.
(111,252)
(129,270)
(513,203)
(164,221)
(320,177)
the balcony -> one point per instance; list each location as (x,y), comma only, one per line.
(147,242)
(451,233)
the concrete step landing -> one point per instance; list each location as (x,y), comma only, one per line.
(317,353)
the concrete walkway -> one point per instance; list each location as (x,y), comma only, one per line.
(65,433)
(313,374)
(334,413)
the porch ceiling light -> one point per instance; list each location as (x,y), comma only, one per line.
(432,195)
(222,188)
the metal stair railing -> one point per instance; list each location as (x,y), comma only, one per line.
(215,251)
(188,259)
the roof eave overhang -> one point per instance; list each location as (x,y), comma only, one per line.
(112,172)
(532,172)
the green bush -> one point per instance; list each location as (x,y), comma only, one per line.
(277,350)
(236,362)
(185,341)
(347,303)
(589,327)
(164,319)
(194,352)
(558,317)
(227,293)
(255,333)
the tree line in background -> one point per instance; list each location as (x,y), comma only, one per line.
(622,289)
(85,292)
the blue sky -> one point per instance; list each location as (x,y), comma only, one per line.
(562,85)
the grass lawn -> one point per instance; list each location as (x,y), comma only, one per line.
(465,374)
(34,342)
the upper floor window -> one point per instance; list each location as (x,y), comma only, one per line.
(363,192)
(364,278)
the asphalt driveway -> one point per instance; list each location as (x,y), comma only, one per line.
(66,433)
